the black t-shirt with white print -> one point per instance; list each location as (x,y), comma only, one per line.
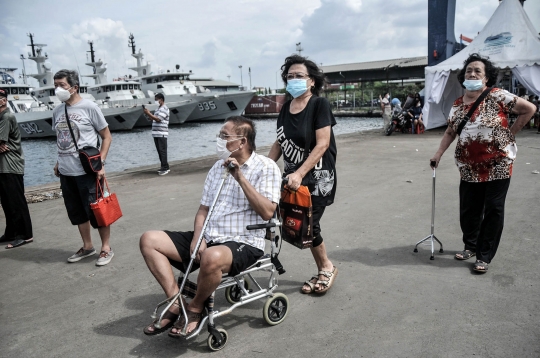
(292,131)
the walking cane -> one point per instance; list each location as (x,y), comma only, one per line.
(432,236)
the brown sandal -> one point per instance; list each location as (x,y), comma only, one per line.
(179,325)
(151,329)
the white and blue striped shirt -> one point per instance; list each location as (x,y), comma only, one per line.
(161,129)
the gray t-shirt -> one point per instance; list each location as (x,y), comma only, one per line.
(86,121)
(11,161)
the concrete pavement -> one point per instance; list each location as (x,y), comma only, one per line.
(387,301)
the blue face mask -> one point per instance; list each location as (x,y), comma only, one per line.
(473,85)
(297,87)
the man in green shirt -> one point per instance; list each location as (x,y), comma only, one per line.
(18,224)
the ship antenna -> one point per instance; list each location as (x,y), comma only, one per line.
(131,43)
(91,50)
(32,43)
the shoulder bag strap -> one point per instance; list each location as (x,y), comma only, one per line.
(471,111)
(310,131)
(69,125)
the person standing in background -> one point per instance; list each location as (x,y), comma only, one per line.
(18,223)
(160,131)
(386,109)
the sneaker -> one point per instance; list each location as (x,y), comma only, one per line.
(81,254)
(164,172)
(104,257)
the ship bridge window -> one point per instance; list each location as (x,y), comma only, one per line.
(27,91)
(21,90)
(130,86)
(181,78)
(148,81)
(159,86)
(118,87)
(14,91)
(51,93)
(124,87)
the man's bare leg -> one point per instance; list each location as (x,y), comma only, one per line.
(84,230)
(105,235)
(156,248)
(215,261)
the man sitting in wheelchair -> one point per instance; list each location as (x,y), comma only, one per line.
(250,193)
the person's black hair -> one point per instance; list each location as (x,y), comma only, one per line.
(160,96)
(491,71)
(72,77)
(314,71)
(245,127)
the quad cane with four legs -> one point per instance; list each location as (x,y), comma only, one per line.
(432,236)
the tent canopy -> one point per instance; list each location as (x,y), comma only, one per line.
(510,41)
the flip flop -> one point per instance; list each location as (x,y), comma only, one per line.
(19,242)
(151,330)
(179,325)
(326,284)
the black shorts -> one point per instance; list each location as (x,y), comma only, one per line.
(244,255)
(78,193)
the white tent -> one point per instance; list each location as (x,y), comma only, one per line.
(509,40)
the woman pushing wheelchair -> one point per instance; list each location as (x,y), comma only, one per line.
(306,141)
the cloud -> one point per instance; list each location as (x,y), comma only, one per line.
(213,38)
(373,31)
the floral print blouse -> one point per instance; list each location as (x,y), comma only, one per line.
(486,148)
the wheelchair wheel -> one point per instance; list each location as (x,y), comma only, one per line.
(213,344)
(234,293)
(275,309)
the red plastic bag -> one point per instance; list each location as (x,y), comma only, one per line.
(296,213)
(106,209)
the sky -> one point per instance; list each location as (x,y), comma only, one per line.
(213,38)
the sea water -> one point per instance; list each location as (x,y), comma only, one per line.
(135,148)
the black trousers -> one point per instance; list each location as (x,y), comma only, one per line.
(18,223)
(161,146)
(481,211)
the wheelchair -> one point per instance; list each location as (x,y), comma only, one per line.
(239,290)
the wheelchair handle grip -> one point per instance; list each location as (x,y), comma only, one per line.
(262,226)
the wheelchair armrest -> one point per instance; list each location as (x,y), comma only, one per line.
(263,226)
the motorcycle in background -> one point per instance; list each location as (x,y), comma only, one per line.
(400,121)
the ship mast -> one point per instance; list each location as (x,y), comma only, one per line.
(99,67)
(44,68)
(142,70)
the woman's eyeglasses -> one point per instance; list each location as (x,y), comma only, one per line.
(298,75)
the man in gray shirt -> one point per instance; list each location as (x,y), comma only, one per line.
(160,131)
(18,223)
(79,188)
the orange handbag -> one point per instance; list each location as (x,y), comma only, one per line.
(106,208)
(296,213)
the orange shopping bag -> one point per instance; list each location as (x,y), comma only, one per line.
(296,213)
(106,208)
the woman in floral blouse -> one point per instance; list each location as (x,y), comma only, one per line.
(485,152)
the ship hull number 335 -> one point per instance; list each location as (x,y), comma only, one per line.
(207,106)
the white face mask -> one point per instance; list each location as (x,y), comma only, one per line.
(157,102)
(62,94)
(221,148)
